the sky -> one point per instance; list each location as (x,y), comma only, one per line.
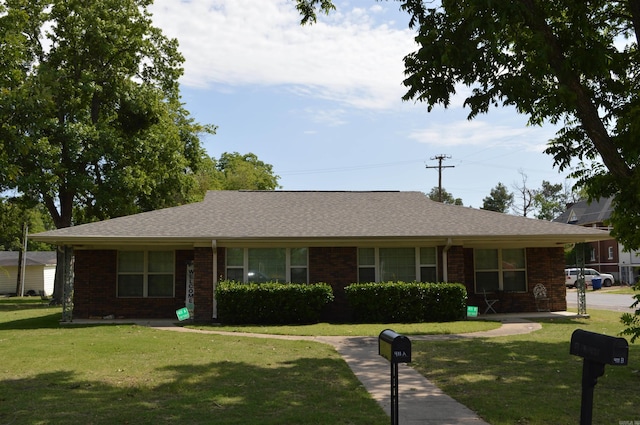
(323,105)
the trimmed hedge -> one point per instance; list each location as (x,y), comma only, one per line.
(388,302)
(271,303)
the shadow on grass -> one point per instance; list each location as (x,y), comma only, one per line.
(312,391)
(528,379)
(47,321)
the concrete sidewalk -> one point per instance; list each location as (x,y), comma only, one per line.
(419,401)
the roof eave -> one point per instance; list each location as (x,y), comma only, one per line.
(91,242)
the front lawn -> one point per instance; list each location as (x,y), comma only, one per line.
(532,379)
(125,374)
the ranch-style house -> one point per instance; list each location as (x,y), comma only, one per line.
(140,266)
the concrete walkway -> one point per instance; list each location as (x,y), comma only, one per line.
(419,401)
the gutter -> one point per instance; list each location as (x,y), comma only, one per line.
(445,269)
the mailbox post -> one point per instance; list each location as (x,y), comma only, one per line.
(396,349)
(597,350)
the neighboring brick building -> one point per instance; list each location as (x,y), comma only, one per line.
(606,256)
(138,266)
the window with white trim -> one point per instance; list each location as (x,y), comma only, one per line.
(610,257)
(148,274)
(500,270)
(267,265)
(397,264)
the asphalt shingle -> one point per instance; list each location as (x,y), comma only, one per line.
(320,214)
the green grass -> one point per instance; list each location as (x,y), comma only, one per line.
(359,329)
(626,290)
(127,374)
(532,379)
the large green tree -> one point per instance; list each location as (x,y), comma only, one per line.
(499,199)
(441,195)
(13,216)
(91,123)
(245,172)
(234,171)
(550,200)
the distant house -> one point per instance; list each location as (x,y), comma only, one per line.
(40,271)
(139,266)
(607,256)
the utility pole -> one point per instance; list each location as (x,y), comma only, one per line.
(440,158)
(22,259)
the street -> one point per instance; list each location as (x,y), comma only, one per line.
(601,300)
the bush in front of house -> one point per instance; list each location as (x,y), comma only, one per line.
(387,302)
(271,303)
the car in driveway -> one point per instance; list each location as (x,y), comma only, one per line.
(571,276)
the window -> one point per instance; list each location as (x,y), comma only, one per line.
(428,262)
(593,255)
(397,264)
(500,270)
(366,265)
(267,265)
(145,274)
(610,257)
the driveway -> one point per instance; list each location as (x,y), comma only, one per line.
(601,300)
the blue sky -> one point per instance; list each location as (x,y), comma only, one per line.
(322,103)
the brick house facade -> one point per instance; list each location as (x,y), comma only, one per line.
(95,282)
(136,266)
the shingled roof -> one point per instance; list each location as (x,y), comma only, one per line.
(33,258)
(584,213)
(316,215)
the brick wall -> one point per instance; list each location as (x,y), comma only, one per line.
(95,280)
(203,284)
(95,276)
(455,265)
(544,265)
(339,268)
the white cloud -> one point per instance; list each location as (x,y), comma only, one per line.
(353,55)
(485,134)
(329,117)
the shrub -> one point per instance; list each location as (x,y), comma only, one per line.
(407,302)
(271,303)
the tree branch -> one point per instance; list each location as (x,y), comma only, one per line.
(585,109)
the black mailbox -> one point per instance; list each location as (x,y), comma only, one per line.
(394,347)
(599,348)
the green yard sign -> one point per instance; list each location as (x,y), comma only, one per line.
(183,314)
(472,311)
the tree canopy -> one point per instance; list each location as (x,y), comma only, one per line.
(91,122)
(499,199)
(447,198)
(572,63)
(550,200)
(234,171)
(13,215)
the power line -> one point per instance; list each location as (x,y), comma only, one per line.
(440,158)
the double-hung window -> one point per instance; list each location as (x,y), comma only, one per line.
(145,274)
(500,270)
(267,265)
(397,264)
